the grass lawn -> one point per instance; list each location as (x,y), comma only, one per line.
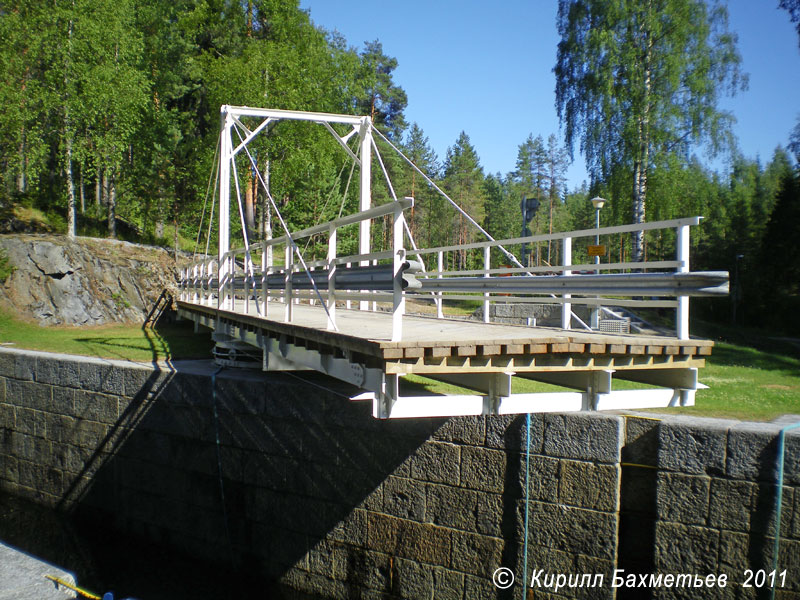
(124,342)
(752,376)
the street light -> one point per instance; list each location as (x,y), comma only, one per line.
(598,203)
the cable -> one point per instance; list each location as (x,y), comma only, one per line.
(527,501)
(205,200)
(292,243)
(778,504)
(219,462)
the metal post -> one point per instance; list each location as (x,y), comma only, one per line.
(682,313)
(247,267)
(224,204)
(264,274)
(348,304)
(595,315)
(287,279)
(486,264)
(331,278)
(440,264)
(365,194)
(566,307)
(399,257)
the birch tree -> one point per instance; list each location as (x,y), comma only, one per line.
(639,79)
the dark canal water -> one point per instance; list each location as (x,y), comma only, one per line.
(105,561)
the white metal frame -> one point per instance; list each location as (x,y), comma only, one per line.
(233,280)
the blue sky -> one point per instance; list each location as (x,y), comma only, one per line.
(486,68)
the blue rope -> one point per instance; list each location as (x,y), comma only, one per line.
(527,501)
(779,504)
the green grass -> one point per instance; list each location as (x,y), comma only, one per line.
(747,383)
(124,342)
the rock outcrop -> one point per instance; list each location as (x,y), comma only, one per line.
(83,281)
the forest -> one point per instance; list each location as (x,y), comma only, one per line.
(111,119)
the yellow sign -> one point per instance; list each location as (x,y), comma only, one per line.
(597,250)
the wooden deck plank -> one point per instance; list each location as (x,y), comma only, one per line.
(442,343)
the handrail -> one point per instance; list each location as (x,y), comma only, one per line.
(579,233)
(562,281)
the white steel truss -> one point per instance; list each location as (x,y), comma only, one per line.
(234,284)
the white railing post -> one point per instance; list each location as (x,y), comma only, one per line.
(566,307)
(332,278)
(348,303)
(374,304)
(246,283)
(195,295)
(365,195)
(231,298)
(682,312)
(287,282)
(440,266)
(264,274)
(398,258)
(486,266)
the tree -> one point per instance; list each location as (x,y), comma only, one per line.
(384,101)
(503,217)
(463,181)
(638,80)
(418,149)
(793,8)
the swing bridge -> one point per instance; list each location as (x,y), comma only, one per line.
(346,316)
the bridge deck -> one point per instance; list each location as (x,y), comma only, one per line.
(433,345)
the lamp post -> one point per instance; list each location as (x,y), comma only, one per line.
(598,203)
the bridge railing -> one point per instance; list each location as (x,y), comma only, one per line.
(256,282)
(642,296)
(253,272)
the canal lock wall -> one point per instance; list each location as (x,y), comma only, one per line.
(323,498)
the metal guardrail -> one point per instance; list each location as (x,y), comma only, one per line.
(388,276)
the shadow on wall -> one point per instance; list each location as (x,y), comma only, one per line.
(293,481)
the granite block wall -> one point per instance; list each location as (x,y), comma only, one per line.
(282,475)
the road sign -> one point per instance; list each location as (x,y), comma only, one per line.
(597,250)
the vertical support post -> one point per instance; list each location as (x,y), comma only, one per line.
(682,313)
(566,307)
(398,258)
(440,267)
(287,282)
(365,194)
(348,303)
(195,295)
(224,205)
(486,264)
(247,266)
(332,277)
(264,275)
(232,281)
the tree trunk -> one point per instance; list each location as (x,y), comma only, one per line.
(249,205)
(83,194)
(98,177)
(70,189)
(267,215)
(21,182)
(175,224)
(112,204)
(68,141)
(642,152)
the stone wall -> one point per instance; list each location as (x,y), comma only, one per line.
(320,496)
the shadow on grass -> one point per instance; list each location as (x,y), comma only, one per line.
(171,341)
